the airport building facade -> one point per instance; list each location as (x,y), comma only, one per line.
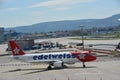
(24,44)
(1,35)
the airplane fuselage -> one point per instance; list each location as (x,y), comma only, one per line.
(65,57)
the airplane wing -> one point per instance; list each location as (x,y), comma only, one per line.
(46,61)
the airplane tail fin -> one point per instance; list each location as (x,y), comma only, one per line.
(15,49)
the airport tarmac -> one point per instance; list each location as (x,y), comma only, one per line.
(67,40)
(104,68)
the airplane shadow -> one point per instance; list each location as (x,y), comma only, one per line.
(15,70)
(45,69)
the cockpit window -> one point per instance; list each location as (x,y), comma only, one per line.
(88,54)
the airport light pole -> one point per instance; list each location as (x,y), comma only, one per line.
(9,34)
(82,37)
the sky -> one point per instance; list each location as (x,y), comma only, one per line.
(27,12)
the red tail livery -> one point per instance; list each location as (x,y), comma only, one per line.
(15,49)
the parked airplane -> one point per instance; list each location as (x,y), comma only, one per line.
(56,59)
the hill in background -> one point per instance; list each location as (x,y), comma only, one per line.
(69,25)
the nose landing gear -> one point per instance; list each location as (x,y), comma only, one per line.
(84,65)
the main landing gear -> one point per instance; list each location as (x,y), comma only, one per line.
(49,67)
(84,65)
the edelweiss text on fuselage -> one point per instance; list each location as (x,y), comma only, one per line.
(53,56)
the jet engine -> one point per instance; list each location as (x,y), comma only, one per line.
(58,64)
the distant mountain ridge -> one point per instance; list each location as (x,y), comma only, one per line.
(70,24)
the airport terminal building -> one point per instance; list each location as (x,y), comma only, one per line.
(24,44)
(1,35)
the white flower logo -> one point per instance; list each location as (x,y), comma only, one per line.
(16,51)
(82,56)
